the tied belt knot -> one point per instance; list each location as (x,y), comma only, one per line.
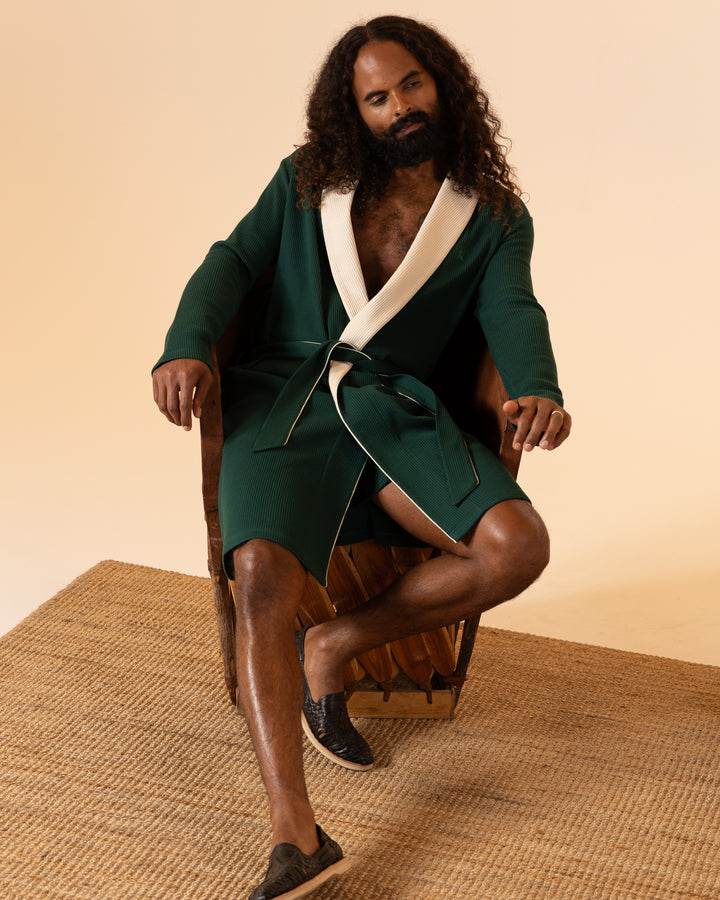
(289,406)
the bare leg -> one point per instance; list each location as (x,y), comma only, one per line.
(269,582)
(503,554)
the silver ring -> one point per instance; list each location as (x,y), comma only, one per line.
(557,412)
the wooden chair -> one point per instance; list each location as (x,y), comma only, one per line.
(421,676)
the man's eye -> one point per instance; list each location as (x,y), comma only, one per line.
(378,101)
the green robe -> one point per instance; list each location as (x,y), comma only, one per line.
(294,450)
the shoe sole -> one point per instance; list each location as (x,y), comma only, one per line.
(307,887)
(338,760)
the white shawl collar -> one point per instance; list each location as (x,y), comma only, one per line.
(445,222)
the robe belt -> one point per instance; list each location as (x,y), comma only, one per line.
(286,411)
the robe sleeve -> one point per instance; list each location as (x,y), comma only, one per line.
(513,321)
(214,292)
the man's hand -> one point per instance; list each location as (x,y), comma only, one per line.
(539,422)
(179,389)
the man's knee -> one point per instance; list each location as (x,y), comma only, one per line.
(517,539)
(269,580)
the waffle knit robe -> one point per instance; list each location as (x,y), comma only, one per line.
(337,383)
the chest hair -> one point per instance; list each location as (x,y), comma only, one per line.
(384,233)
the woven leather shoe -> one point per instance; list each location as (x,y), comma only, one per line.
(327,724)
(292,874)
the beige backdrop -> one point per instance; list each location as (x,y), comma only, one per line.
(136,133)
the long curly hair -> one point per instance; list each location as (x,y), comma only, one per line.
(336,154)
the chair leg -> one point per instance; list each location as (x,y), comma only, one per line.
(467,643)
(225,612)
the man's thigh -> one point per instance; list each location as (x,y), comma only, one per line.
(506,517)
(402,510)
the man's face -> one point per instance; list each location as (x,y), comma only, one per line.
(397,99)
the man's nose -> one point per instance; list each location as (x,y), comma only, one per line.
(401,107)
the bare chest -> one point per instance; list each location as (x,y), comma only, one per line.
(383,237)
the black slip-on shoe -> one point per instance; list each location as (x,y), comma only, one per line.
(292,874)
(327,724)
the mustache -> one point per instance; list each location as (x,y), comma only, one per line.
(409,119)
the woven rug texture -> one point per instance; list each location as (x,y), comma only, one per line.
(569,771)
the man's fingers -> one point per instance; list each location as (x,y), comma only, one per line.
(172,402)
(201,392)
(186,390)
(554,426)
(538,422)
(160,395)
(179,388)
(535,431)
(513,410)
(561,434)
(523,420)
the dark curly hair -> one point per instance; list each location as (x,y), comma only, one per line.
(336,154)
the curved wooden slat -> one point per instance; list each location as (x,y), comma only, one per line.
(347,591)
(438,643)
(375,565)
(442,651)
(413,657)
(317,607)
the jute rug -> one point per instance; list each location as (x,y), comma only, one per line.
(568,772)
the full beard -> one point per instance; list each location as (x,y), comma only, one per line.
(393,152)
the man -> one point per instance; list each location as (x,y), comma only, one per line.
(395,218)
